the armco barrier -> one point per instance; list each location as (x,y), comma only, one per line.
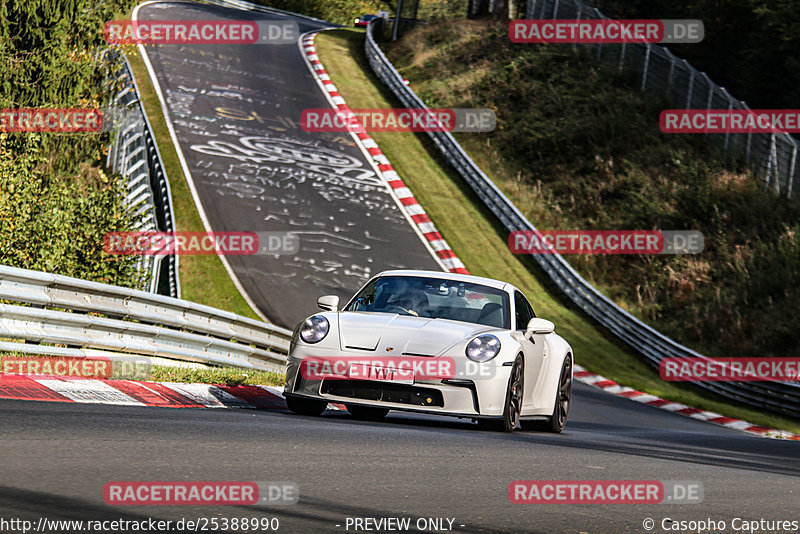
(135,156)
(68,315)
(781,397)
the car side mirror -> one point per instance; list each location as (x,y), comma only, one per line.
(538,325)
(328,303)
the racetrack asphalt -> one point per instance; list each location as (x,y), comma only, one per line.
(58,457)
(236,112)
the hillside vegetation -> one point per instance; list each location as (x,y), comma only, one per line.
(56,201)
(751,47)
(577,147)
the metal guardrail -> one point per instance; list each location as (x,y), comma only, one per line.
(775,155)
(781,397)
(135,156)
(57,314)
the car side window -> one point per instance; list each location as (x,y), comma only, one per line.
(523,310)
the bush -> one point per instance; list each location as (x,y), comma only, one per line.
(56,201)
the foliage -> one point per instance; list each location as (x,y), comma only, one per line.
(442,9)
(56,201)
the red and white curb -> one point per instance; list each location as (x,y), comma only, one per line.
(139,393)
(409,204)
(183,395)
(609,386)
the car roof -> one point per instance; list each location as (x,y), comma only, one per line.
(491,282)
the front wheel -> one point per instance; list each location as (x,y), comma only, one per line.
(513,402)
(306,406)
(558,420)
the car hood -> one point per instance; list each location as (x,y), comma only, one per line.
(392,334)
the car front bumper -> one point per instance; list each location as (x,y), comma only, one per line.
(473,397)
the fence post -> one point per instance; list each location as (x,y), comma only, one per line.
(599,46)
(529,7)
(749,142)
(646,66)
(730,108)
(772,154)
(791,170)
(710,94)
(691,86)
(671,72)
(555,10)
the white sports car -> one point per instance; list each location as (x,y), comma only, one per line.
(433,342)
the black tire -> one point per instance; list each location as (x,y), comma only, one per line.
(513,402)
(558,420)
(303,406)
(367,413)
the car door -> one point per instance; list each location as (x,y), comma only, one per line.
(533,349)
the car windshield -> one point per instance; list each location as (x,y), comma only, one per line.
(437,298)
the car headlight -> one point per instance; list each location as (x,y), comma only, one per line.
(483,348)
(356,21)
(314,329)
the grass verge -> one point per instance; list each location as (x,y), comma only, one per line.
(480,242)
(230,376)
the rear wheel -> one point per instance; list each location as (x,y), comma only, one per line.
(306,406)
(367,413)
(513,403)
(558,420)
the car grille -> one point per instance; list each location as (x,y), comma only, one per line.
(383,391)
